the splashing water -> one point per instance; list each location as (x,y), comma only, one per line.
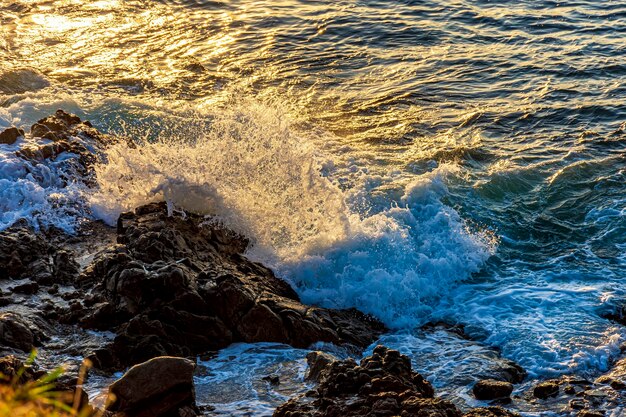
(263,179)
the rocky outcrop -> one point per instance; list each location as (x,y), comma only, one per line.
(575,395)
(26,254)
(65,132)
(178,285)
(318,365)
(162,386)
(382,384)
(491,389)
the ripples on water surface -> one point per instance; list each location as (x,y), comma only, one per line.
(471,153)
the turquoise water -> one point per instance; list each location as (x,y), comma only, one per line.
(457,161)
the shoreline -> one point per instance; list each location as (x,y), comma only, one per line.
(160,282)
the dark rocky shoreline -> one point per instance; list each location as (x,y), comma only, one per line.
(174,284)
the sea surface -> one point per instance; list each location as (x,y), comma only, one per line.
(456,161)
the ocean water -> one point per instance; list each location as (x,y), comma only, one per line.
(457,161)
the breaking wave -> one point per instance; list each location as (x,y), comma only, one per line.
(265,179)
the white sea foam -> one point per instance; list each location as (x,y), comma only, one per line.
(265,179)
(44,193)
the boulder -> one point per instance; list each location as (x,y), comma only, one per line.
(15,332)
(546,389)
(178,285)
(28,288)
(10,135)
(159,387)
(382,384)
(491,389)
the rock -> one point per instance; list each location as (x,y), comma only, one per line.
(26,288)
(26,254)
(577,404)
(10,366)
(318,362)
(159,387)
(22,332)
(490,412)
(178,285)
(383,384)
(272,379)
(10,135)
(590,413)
(546,389)
(490,389)
(616,377)
(68,135)
(14,332)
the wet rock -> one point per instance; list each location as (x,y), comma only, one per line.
(272,379)
(491,389)
(510,371)
(19,248)
(26,254)
(58,123)
(65,133)
(11,367)
(26,288)
(22,333)
(383,384)
(546,389)
(14,332)
(590,413)
(578,404)
(616,377)
(159,387)
(490,412)
(10,135)
(181,286)
(318,362)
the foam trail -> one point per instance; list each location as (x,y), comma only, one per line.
(262,178)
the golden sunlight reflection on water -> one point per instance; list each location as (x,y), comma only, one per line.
(395,82)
